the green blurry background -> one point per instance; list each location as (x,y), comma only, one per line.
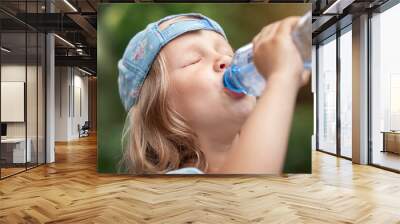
(117,23)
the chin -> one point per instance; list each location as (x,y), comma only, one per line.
(244,107)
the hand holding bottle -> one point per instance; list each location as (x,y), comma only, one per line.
(276,55)
(262,143)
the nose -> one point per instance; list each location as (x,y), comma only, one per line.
(222,63)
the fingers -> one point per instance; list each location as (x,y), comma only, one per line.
(282,27)
(272,31)
(273,45)
(287,25)
(266,32)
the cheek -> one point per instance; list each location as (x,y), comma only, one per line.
(194,92)
(199,98)
(193,86)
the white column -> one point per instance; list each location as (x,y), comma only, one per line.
(50,92)
(360,90)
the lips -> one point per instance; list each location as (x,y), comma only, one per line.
(233,94)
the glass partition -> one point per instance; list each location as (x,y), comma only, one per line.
(385,89)
(22,91)
(327,96)
(346,93)
(13,105)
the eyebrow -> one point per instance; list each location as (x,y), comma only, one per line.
(219,47)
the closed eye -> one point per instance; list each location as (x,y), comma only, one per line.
(192,62)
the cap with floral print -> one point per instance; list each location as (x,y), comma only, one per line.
(144,46)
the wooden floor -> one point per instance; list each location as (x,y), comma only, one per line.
(10,171)
(387,159)
(71,191)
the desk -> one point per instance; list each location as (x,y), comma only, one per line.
(391,141)
(15,148)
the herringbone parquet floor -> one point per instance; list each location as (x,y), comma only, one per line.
(71,191)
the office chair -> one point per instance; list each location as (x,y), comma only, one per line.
(84,130)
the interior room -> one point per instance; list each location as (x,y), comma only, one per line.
(22,99)
(385,90)
(50,107)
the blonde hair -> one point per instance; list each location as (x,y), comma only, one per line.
(156,139)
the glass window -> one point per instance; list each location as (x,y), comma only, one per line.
(385,89)
(327,96)
(346,94)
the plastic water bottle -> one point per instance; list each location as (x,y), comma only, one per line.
(243,77)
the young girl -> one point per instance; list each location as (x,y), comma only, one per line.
(181,120)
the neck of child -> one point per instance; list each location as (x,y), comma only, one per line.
(216,148)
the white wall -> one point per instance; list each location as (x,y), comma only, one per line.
(61,103)
(71,87)
(33,127)
(80,89)
(12,73)
(12,99)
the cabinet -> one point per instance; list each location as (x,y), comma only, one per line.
(391,142)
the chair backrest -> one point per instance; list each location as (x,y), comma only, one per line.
(86,125)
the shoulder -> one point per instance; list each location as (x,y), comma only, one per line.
(186,170)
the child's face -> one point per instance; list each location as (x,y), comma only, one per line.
(195,64)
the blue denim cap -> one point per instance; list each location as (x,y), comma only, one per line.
(143,49)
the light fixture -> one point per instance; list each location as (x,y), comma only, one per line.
(80,51)
(337,7)
(70,5)
(64,40)
(5,50)
(84,71)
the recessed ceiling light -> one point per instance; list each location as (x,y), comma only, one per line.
(5,50)
(70,5)
(337,7)
(84,71)
(65,41)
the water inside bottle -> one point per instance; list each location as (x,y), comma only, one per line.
(242,76)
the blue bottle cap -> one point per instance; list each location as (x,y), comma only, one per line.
(228,81)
